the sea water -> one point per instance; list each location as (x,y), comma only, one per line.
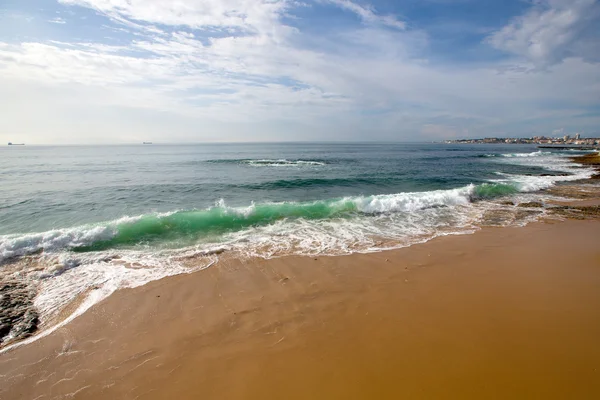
(87,220)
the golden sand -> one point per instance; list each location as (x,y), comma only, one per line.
(505,313)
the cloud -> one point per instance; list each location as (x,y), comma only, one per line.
(247,15)
(551,31)
(83,64)
(367,14)
(57,21)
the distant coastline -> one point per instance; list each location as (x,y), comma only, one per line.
(540,140)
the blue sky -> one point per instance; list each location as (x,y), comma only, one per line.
(111,71)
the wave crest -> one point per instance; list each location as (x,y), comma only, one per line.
(185,227)
(282,162)
(538,153)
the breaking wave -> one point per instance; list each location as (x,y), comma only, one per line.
(270,162)
(538,153)
(185,227)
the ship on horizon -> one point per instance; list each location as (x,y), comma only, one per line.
(16,144)
(146,142)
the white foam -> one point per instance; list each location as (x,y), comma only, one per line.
(538,153)
(58,239)
(407,202)
(283,163)
(527,183)
(366,233)
(241,211)
(549,161)
(20,245)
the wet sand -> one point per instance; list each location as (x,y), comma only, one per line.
(505,313)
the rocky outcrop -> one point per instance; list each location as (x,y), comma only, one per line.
(18,317)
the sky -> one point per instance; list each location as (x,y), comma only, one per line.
(126,71)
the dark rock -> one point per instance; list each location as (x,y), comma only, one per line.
(18,317)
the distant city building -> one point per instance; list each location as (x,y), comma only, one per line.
(559,141)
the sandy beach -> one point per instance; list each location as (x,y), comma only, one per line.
(503,313)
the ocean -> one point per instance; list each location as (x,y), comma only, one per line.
(79,222)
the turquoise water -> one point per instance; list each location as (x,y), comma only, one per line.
(90,220)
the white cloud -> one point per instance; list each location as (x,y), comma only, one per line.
(88,65)
(248,15)
(57,21)
(367,14)
(551,31)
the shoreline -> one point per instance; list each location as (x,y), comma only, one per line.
(272,328)
(584,205)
